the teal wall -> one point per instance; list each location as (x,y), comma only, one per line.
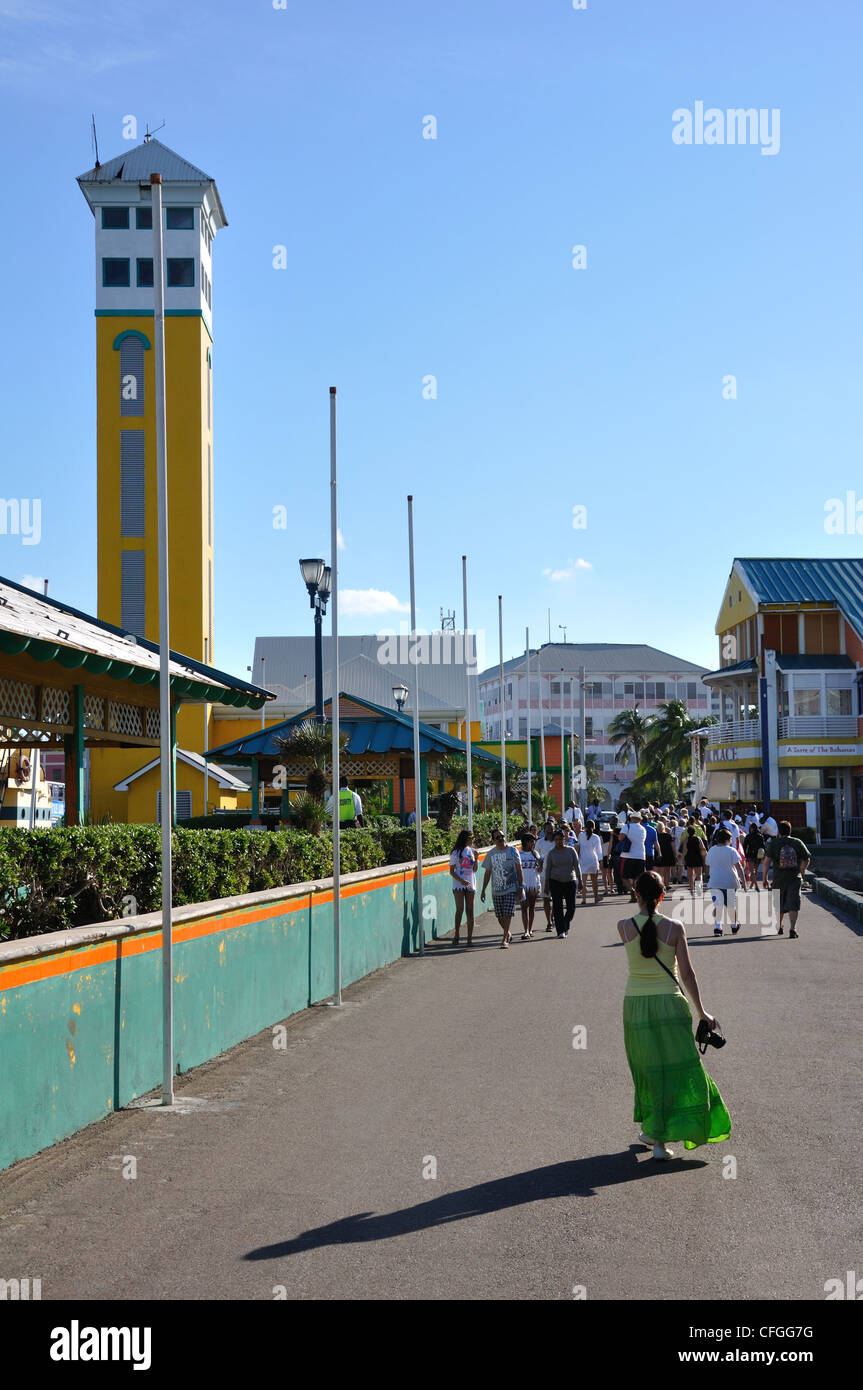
(87,1039)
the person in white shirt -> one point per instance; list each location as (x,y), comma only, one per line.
(752,818)
(462,866)
(635,862)
(769,827)
(572,814)
(589,860)
(530,867)
(726,876)
(729,824)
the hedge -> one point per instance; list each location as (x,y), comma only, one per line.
(78,875)
(74,876)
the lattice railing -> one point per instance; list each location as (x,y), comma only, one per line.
(124,718)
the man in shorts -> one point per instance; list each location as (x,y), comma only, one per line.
(790,858)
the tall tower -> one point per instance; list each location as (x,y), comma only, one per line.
(119,196)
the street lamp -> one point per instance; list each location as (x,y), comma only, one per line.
(400,695)
(317,578)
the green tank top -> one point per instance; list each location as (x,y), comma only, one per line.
(645,975)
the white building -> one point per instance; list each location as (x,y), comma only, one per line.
(616,676)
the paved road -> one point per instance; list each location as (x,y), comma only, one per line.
(303,1168)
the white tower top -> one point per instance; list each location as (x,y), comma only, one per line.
(120,198)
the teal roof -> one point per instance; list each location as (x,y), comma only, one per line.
(796,661)
(809,581)
(384,731)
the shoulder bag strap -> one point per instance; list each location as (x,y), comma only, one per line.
(669,973)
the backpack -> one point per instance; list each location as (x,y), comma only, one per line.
(788,857)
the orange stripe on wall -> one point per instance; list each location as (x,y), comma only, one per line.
(97,953)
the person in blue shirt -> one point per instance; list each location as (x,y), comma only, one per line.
(650,844)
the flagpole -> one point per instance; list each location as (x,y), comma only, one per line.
(542,722)
(165,751)
(529,749)
(418,814)
(334,706)
(502,718)
(467,666)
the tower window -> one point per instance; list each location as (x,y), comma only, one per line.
(180,219)
(144,219)
(132,383)
(115,272)
(145,272)
(115,219)
(132,600)
(181,272)
(132,486)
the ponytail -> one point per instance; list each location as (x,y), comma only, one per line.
(650,888)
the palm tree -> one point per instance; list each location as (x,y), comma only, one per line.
(668,748)
(452,768)
(593,771)
(630,730)
(314,741)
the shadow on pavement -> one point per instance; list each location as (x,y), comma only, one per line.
(580,1178)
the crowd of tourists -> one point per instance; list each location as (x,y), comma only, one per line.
(640,854)
(696,847)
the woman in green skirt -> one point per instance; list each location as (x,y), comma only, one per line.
(674,1096)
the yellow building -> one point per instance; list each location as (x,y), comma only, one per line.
(119,196)
(790,683)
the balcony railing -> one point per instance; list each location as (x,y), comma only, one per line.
(793,726)
(818,726)
(735,731)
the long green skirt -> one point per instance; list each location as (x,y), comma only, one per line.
(674,1096)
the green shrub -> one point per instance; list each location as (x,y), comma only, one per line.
(76,876)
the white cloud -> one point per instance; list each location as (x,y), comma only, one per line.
(340,540)
(556,576)
(33,581)
(368,603)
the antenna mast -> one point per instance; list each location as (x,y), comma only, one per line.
(97,165)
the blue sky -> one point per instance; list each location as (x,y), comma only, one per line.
(452,257)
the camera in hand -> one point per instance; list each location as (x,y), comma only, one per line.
(705,1036)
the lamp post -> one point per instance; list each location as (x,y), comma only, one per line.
(316,577)
(400,695)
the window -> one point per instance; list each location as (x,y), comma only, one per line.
(184,804)
(115,272)
(650,691)
(691,690)
(821,633)
(144,219)
(131,376)
(628,688)
(522,727)
(781,632)
(145,272)
(115,219)
(588,726)
(132,603)
(838,701)
(180,219)
(807,702)
(207,288)
(132,483)
(181,272)
(660,690)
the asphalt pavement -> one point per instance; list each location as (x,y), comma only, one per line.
(461,1128)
